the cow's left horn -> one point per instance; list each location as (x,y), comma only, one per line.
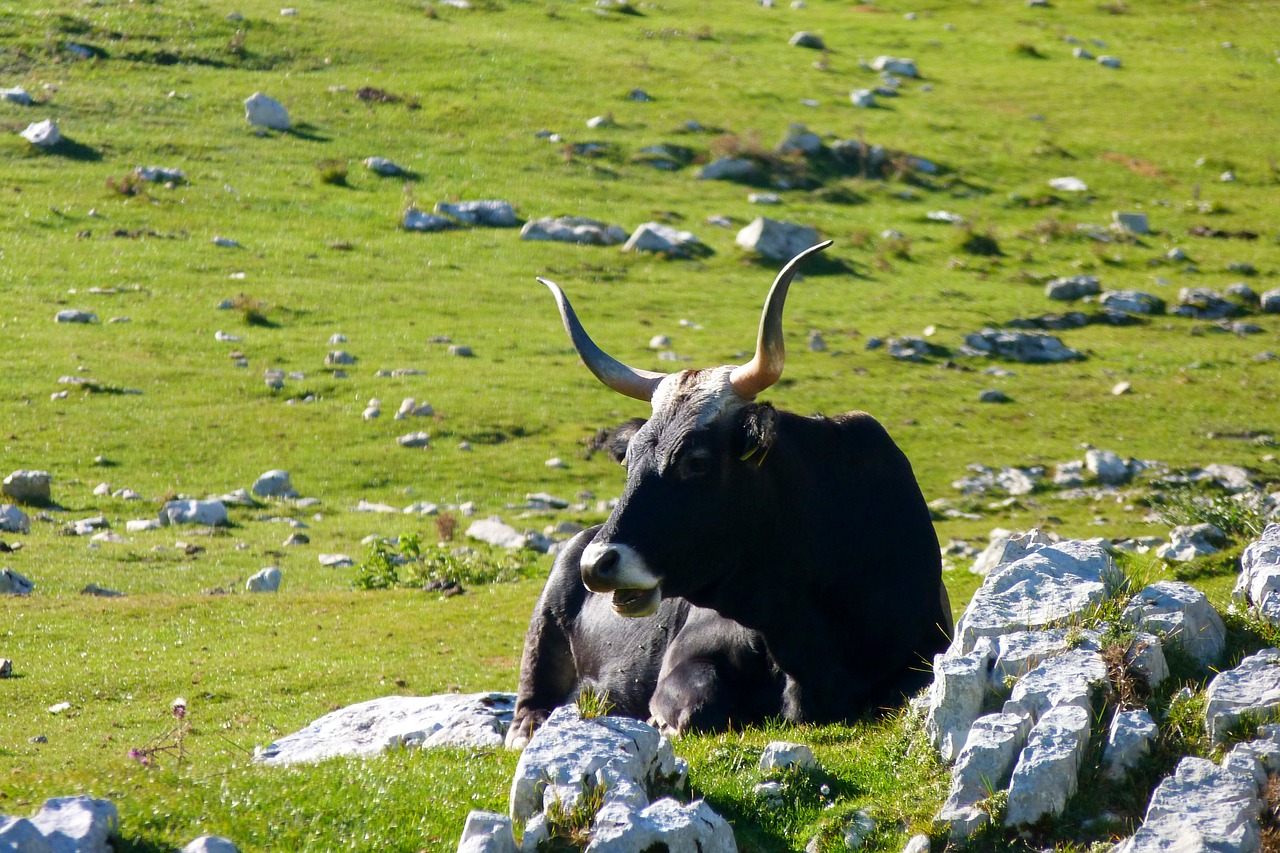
(638,384)
(765,367)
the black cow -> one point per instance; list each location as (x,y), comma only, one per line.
(759,563)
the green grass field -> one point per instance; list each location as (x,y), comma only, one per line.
(1002,106)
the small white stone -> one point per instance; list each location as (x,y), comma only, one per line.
(266,580)
(783,755)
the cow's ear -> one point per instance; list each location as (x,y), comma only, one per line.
(620,436)
(757,425)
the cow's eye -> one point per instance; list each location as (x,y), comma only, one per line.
(695,464)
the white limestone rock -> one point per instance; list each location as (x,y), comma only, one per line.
(1250,691)
(383,166)
(1146,655)
(1107,467)
(487,832)
(489,213)
(1270,301)
(1066,679)
(495,531)
(1190,542)
(208,513)
(656,237)
(982,768)
(474,720)
(419,220)
(20,835)
(1048,769)
(1132,302)
(29,487)
(573,229)
(1019,346)
(1258,585)
(78,824)
(863,98)
(274,484)
(918,843)
(663,825)
(137,525)
(895,65)
(783,755)
(1200,807)
(1179,612)
(800,139)
(338,357)
(75,315)
(1233,478)
(1069,185)
(1007,547)
(43,134)
(858,830)
(1258,758)
(211,844)
(1073,287)
(807,39)
(1020,652)
(625,756)
(262,111)
(370,506)
(336,561)
(776,241)
(13,519)
(960,684)
(414,439)
(160,174)
(1128,740)
(1133,223)
(12,583)
(266,580)
(1055,582)
(729,169)
(411,408)
(239,497)
(16,95)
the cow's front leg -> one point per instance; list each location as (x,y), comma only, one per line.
(548,673)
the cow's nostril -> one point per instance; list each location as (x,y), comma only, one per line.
(606,563)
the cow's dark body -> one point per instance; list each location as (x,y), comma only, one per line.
(803,582)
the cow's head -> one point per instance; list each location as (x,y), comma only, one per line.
(705,440)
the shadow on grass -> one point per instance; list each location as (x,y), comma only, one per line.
(72,150)
(309,132)
(137,845)
(818,265)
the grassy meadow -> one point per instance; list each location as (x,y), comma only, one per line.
(461,96)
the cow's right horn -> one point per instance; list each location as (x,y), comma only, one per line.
(638,384)
(765,367)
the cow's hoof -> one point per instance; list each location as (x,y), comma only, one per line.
(516,739)
(522,728)
(669,732)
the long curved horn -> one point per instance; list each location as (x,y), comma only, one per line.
(765,366)
(637,384)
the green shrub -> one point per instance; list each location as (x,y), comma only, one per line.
(408,564)
(332,172)
(1238,519)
